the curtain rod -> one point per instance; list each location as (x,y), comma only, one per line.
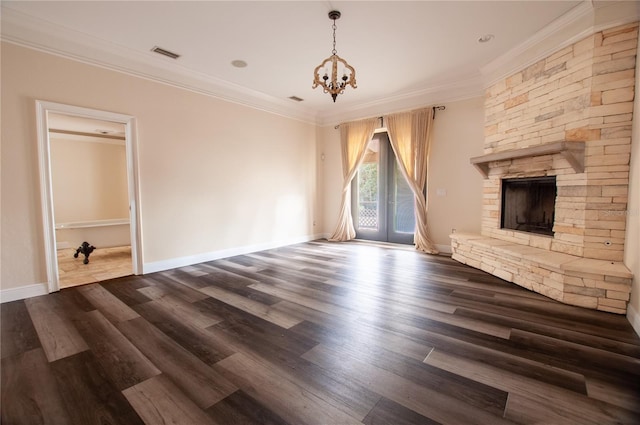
(435,108)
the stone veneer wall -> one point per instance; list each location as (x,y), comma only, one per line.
(583,92)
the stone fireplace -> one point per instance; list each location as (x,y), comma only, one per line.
(565,118)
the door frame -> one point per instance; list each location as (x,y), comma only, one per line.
(385,204)
(43,108)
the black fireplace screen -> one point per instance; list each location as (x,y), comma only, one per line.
(528,204)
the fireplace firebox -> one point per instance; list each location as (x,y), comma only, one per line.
(528,204)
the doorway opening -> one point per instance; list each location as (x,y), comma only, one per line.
(89,192)
(382,201)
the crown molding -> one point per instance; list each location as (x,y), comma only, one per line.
(26,31)
(444,93)
(580,22)
(541,45)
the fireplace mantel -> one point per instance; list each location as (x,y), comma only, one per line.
(573,152)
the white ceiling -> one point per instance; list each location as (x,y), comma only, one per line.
(402,51)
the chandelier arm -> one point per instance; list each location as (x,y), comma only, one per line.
(352,77)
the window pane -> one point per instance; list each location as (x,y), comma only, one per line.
(368,193)
(404,219)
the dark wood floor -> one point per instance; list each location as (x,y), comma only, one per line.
(315,333)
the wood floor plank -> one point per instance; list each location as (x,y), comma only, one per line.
(57,334)
(197,341)
(217,275)
(565,404)
(180,309)
(201,383)
(88,395)
(241,409)
(335,388)
(16,328)
(546,312)
(523,409)
(126,289)
(404,301)
(613,394)
(362,334)
(232,264)
(602,361)
(264,336)
(108,304)
(427,402)
(168,282)
(287,399)
(553,330)
(220,271)
(515,360)
(238,285)
(484,397)
(388,412)
(316,332)
(252,307)
(193,271)
(123,363)
(30,394)
(305,301)
(158,401)
(184,278)
(460,321)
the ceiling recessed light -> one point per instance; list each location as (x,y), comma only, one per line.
(296,98)
(239,63)
(485,38)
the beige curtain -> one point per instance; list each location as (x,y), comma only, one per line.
(410,136)
(354,137)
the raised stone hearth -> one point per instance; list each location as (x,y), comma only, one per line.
(567,116)
(585,282)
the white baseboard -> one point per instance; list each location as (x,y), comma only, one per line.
(63,245)
(174,263)
(22,292)
(13,294)
(634,318)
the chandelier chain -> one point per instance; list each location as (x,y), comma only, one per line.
(334,51)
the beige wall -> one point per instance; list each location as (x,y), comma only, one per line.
(632,240)
(457,136)
(332,182)
(89,180)
(213,175)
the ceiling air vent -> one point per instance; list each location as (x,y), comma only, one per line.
(296,98)
(164,52)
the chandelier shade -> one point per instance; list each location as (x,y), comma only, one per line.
(334,74)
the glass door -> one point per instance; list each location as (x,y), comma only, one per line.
(382,202)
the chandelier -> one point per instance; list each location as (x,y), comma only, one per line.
(331,84)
